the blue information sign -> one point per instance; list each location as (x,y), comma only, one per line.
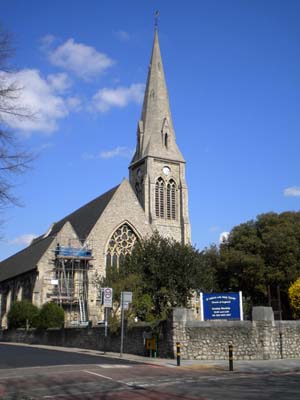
(222,306)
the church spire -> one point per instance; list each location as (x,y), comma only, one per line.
(157,171)
(156,136)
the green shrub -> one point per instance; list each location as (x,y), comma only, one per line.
(50,316)
(22,314)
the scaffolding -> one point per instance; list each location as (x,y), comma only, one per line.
(70,286)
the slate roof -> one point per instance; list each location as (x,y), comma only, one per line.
(85,217)
(82,221)
(25,260)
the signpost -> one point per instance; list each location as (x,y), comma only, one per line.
(221,306)
(126,298)
(107,297)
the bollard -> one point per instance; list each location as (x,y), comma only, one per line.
(230,347)
(178,353)
(280,345)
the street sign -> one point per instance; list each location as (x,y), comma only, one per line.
(127,297)
(107,297)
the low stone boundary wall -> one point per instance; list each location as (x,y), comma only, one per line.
(261,338)
(251,340)
(85,338)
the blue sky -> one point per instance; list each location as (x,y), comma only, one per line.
(232,69)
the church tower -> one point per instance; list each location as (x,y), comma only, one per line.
(157,170)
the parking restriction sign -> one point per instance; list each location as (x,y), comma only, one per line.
(107,297)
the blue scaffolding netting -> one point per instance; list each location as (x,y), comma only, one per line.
(73,251)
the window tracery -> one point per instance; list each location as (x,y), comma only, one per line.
(165,199)
(120,245)
(171,199)
(160,198)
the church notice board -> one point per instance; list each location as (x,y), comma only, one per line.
(221,306)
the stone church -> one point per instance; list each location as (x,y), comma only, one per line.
(61,264)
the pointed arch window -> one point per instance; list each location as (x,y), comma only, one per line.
(165,132)
(160,198)
(120,245)
(166,140)
(171,199)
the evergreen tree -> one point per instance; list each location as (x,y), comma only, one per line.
(261,253)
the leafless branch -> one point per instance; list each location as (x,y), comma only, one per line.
(13,158)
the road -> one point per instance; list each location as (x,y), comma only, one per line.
(30,373)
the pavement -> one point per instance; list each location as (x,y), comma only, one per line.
(240,366)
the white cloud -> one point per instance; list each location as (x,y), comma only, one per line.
(292,191)
(117,152)
(120,151)
(223,237)
(46,41)
(123,36)
(40,98)
(74,103)
(120,97)
(85,61)
(59,82)
(25,239)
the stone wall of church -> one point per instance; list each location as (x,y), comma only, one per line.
(123,208)
(169,228)
(19,288)
(43,288)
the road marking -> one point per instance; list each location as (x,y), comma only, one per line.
(101,376)
(108,377)
(113,366)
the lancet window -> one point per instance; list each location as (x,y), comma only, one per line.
(165,199)
(120,245)
(171,200)
(166,140)
(160,198)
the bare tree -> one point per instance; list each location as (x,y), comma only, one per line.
(13,158)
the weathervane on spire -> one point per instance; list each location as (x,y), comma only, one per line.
(156,19)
